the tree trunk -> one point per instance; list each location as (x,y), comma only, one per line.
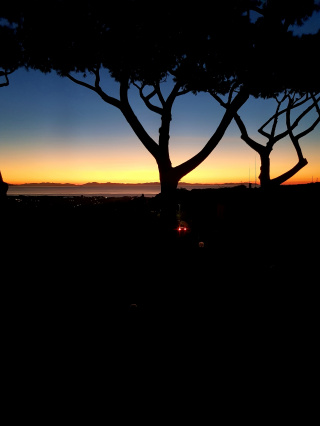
(265,169)
(169,183)
(266,182)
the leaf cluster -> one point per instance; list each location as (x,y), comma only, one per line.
(206,46)
(10,50)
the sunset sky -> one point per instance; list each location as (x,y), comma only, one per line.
(52,130)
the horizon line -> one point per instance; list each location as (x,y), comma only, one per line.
(125,183)
(147,183)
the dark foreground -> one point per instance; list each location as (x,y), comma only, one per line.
(94,291)
(115,250)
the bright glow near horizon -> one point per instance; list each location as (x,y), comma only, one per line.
(80,165)
(52,130)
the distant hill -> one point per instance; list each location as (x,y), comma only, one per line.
(181,184)
(45,184)
(118,184)
(85,184)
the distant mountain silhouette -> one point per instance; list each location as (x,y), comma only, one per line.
(181,184)
(85,184)
(44,184)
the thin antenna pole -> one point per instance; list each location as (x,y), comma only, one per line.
(255,172)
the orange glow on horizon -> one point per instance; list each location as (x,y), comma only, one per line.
(129,162)
(143,176)
(80,177)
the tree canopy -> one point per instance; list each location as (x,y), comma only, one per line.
(206,44)
(233,48)
(10,53)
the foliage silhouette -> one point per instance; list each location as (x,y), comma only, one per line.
(10,60)
(289,75)
(215,48)
(10,53)
(305,104)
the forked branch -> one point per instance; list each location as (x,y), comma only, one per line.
(96,88)
(146,99)
(5,74)
(295,138)
(294,104)
(123,105)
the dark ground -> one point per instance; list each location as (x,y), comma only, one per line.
(241,312)
(116,250)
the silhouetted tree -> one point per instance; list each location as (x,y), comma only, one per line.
(141,47)
(288,74)
(288,102)
(10,60)
(201,47)
(10,52)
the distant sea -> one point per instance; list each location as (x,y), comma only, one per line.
(117,190)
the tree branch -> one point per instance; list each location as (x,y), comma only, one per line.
(232,109)
(275,121)
(125,108)
(299,118)
(5,74)
(135,124)
(158,91)
(217,98)
(309,129)
(294,139)
(316,104)
(287,175)
(244,133)
(278,113)
(146,99)
(245,137)
(231,91)
(96,88)
(294,104)
(172,96)
(80,82)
